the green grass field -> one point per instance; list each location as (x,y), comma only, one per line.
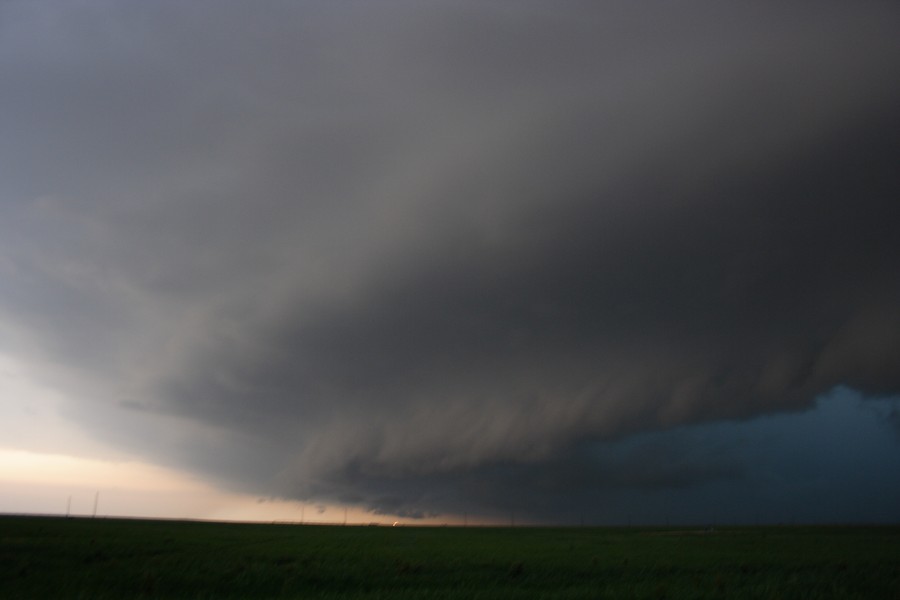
(109,558)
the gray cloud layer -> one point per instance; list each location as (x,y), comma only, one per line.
(347,251)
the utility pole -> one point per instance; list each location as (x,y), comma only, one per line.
(345,515)
(68,506)
(96,500)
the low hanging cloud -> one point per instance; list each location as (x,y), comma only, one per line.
(379,253)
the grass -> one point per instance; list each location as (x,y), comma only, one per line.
(110,558)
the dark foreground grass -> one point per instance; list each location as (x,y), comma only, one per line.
(107,558)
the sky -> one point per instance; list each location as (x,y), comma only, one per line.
(440,262)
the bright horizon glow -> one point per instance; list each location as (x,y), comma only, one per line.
(52,484)
(61,469)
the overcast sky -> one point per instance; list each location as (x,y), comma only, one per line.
(579,260)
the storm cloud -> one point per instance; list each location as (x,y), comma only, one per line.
(399,253)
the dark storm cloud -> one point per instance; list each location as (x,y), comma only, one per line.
(569,484)
(344,251)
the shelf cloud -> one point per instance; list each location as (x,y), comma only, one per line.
(399,253)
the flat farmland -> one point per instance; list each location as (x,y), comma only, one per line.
(44,557)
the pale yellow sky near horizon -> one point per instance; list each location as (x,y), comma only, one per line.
(52,484)
(47,483)
(50,466)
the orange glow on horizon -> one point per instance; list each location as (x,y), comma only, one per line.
(57,484)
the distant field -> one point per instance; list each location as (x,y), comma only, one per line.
(109,558)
